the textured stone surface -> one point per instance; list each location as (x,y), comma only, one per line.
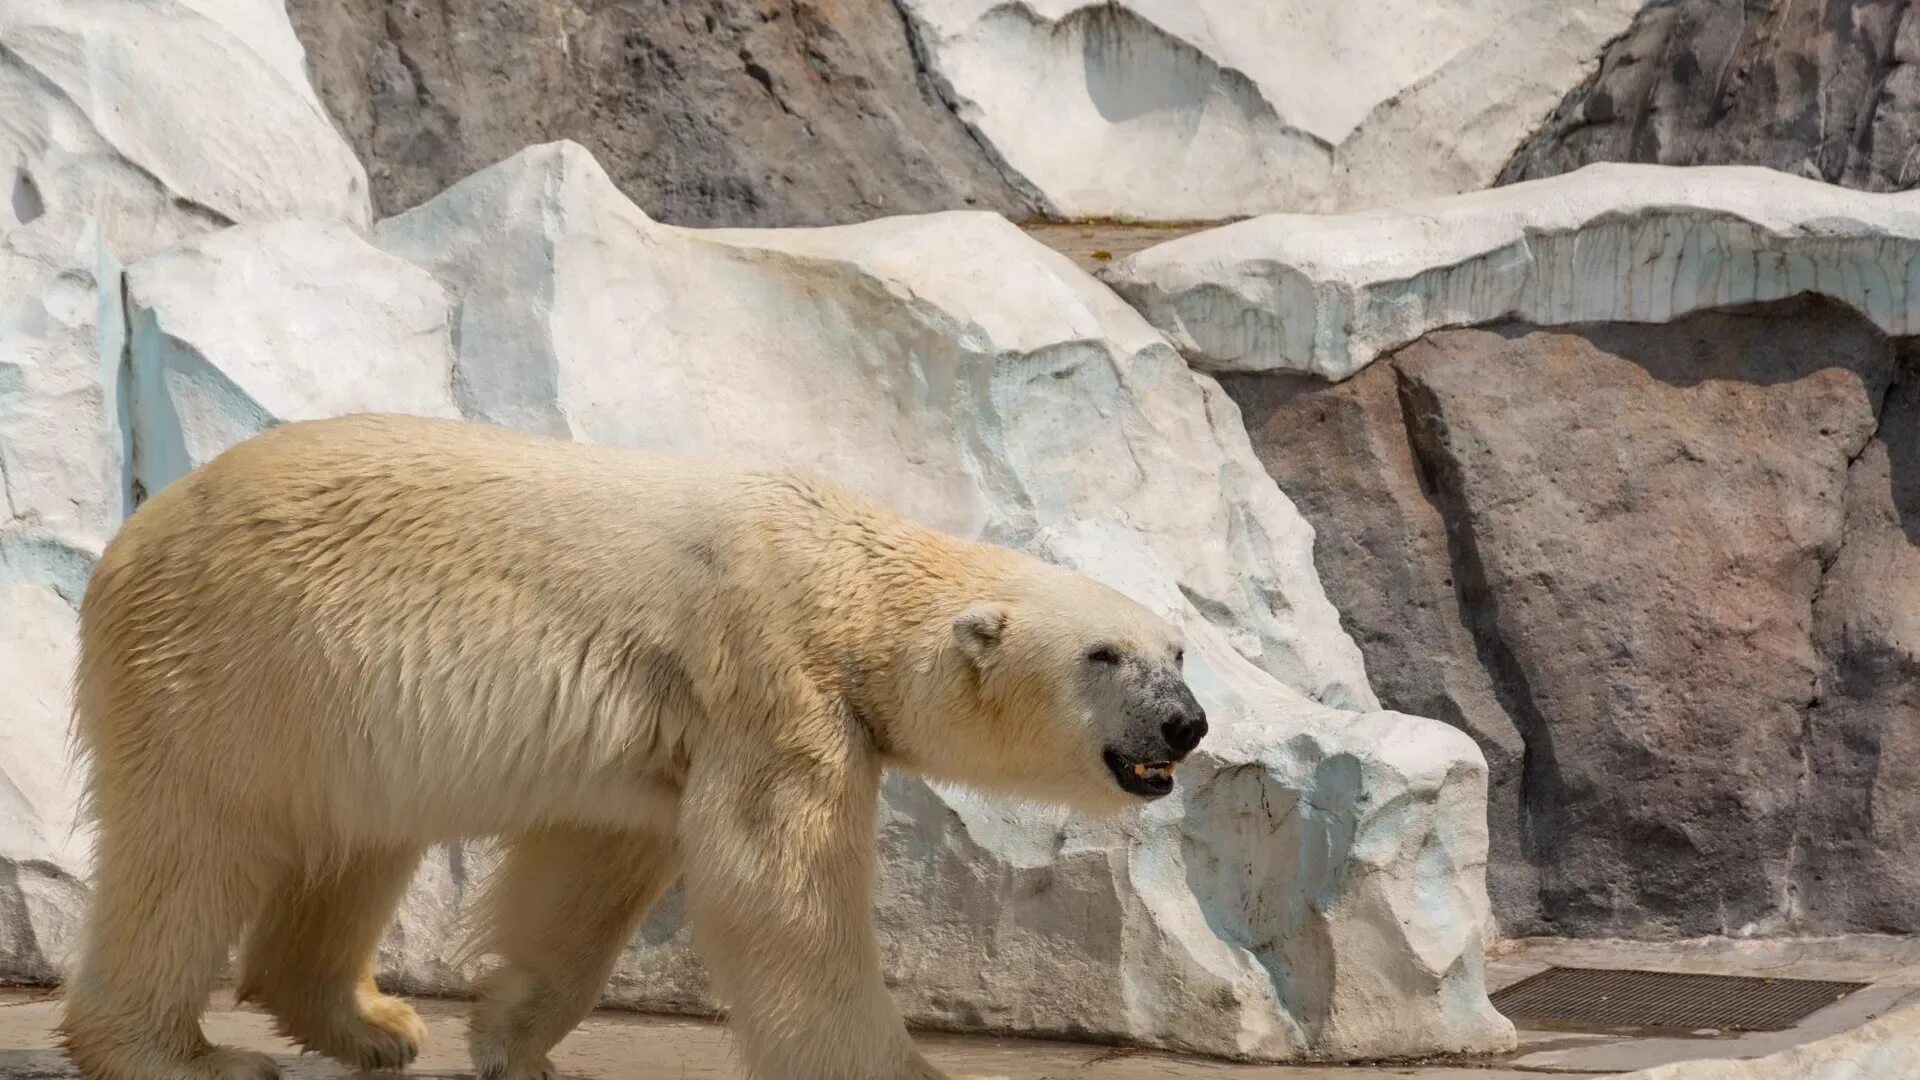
(61,495)
(1031,405)
(1825,90)
(1887,1048)
(1860,862)
(706,112)
(1680,625)
(1341,453)
(1314,890)
(290,344)
(1176,109)
(1633,243)
(163,119)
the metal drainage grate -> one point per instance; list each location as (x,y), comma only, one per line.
(1593,998)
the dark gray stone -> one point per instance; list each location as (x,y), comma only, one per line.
(1654,571)
(1826,90)
(1341,453)
(1859,866)
(705,112)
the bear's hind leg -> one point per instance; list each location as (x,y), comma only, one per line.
(165,910)
(309,962)
(563,905)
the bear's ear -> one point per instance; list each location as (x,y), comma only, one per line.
(978,630)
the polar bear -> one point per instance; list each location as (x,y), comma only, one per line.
(343,641)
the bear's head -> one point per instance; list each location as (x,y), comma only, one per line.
(1073,694)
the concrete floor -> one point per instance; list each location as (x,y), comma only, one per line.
(1890,965)
(622,1046)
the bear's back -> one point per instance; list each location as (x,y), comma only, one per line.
(431,605)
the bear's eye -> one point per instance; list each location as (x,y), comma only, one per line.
(1179,656)
(1103,654)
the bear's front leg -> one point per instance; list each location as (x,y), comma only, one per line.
(779,871)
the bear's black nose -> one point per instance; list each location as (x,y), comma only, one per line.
(1184,730)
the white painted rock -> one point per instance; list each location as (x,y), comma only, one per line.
(1313,890)
(945,364)
(1207,109)
(62,492)
(1630,243)
(1884,1049)
(164,119)
(250,326)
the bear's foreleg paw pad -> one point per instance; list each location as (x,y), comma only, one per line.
(384,1034)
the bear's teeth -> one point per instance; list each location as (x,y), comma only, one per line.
(1158,771)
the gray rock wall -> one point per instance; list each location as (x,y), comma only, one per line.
(705,112)
(1826,90)
(1665,575)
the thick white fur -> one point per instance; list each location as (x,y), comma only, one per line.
(343,641)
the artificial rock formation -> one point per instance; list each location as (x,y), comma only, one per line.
(1322,857)
(1623,612)
(1639,243)
(205,376)
(62,459)
(1031,408)
(1176,110)
(709,112)
(1827,91)
(1656,562)
(728,112)
(129,125)
(1034,407)
(164,118)
(1859,865)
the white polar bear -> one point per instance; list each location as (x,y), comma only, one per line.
(343,641)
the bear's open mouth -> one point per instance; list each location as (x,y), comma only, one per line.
(1147,779)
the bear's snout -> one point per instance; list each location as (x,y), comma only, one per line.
(1184,729)
(1168,724)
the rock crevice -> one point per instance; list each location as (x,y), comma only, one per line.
(1539,782)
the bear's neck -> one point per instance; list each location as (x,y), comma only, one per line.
(889,652)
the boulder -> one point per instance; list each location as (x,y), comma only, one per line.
(1663,574)
(1381,544)
(715,112)
(1885,1048)
(247,327)
(164,119)
(1827,91)
(1177,110)
(1626,243)
(1029,405)
(1314,890)
(62,492)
